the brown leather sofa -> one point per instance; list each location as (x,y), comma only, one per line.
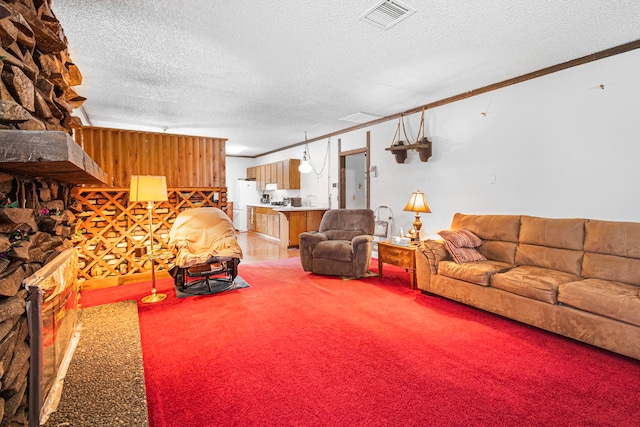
(575,277)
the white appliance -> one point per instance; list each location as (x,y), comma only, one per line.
(245,193)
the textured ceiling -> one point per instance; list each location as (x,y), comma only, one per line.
(261,73)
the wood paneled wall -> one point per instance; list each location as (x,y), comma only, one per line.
(186,161)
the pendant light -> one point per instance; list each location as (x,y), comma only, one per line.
(305,166)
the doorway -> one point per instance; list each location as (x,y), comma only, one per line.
(354,178)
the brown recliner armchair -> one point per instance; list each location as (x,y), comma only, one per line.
(342,246)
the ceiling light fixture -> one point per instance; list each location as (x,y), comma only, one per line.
(233,149)
(305,166)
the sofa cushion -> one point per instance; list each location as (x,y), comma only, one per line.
(566,260)
(337,250)
(499,251)
(612,238)
(553,232)
(612,251)
(490,227)
(345,224)
(609,267)
(619,301)
(533,282)
(499,234)
(477,272)
(343,234)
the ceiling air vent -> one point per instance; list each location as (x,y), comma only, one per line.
(387,13)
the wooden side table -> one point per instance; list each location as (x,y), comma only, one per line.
(400,255)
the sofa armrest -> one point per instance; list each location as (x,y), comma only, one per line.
(428,255)
(360,240)
(313,237)
(308,241)
(361,247)
(435,252)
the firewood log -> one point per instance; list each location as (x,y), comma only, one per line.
(8,58)
(75,77)
(29,66)
(5,12)
(62,104)
(8,31)
(25,35)
(12,112)
(5,95)
(20,86)
(48,40)
(32,124)
(42,108)
(55,110)
(37,73)
(45,86)
(54,125)
(50,66)
(73,98)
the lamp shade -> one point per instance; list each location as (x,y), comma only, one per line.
(304,167)
(417,203)
(148,188)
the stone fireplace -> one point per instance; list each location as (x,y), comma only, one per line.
(38,170)
(39,165)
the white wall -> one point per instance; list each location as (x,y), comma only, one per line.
(236,169)
(555,146)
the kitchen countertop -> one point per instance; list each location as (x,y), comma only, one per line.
(298,209)
(281,208)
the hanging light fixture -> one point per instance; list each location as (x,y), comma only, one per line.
(305,166)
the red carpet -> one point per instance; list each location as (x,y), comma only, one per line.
(296,349)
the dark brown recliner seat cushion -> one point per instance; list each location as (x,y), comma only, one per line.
(337,250)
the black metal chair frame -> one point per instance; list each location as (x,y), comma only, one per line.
(225,274)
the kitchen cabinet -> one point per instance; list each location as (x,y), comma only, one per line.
(273,173)
(267,174)
(261,177)
(280,175)
(266,221)
(252,172)
(251,218)
(284,174)
(295,221)
(313,220)
(261,219)
(289,176)
(273,224)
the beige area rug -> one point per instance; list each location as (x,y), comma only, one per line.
(104,385)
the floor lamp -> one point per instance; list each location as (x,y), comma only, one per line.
(147,188)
